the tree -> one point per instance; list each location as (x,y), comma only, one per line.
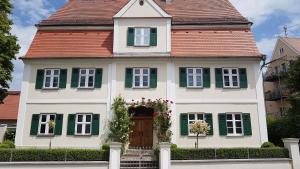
(199,127)
(8,48)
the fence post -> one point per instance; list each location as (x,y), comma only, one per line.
(293,145)
(165,156)
(114,155)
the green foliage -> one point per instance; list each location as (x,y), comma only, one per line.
(8,47)
(7,144)
(105,147)
(53,155)
(173,146)
(277,129)
(10,134)
(228,153)
(293,77)
(120,126)
(267,145)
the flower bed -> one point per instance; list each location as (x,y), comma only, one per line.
(8,155)
(228,153)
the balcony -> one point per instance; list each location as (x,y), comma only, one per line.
(276,95)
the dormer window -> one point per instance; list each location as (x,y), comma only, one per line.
(142,37)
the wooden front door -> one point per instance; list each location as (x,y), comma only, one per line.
(142,135)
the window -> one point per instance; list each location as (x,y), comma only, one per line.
(284,69)
(234,124)
(86,78)
(83,124)
(231,77)
(193,117)
(142,37)
(51,79)
(44,127)
(141,77)
(281,51)
(194,77)
(276,70)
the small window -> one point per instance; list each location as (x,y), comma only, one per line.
(234,124)
(195,77)
(141,77)
(45,127)
(276,70)
(142,37)
(83,124)
(86,78)
(231,77)
(51,79)
(193,117)
(281,51)
(284,69)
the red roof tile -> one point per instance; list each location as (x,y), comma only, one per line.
(213,43)
(100,12)
(9,107)
(71,44)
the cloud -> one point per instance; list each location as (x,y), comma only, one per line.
(259,11)
(266,46)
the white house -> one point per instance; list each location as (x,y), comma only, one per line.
(200,54)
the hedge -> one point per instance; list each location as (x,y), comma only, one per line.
(228,153)
(53,155)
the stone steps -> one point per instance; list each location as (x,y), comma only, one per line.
(138,159)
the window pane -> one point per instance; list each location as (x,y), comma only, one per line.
(51,130)
(83,71)
(234,71)
(91,71)
(191,116)
(226,71)
(237,117)
(238,124)
(79,118)
(138,31)
(43,128)
(198,70)
(200,117)
(79,128)
(137,71)
(229,117)
(229,124)
(190,71)
(230,130)
(55,82)
(82,81)
(87,128)
(146,40)
(191,80)
(138,41)
(239,131)
(56,72)
(145,71)
(137,80)
(91,81)
(44,118)
(47,80)
(199,81)
(88,118)
(52,117)
(48,72)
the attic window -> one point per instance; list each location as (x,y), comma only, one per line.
(141,2)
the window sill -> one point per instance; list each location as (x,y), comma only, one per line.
(54,88)
(141,88)
(45,135)
(236,135)
(85,88)
(231,87)
(191,87)
(83,135)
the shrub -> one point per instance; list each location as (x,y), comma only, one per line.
(10,143)
(192,154)
(5,155)
(10,135)
(268,153)
(38,155)
(267,145)
(173,146)
(87,155)
(105,147)
(232,153)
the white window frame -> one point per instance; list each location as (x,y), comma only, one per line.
(46,123)
(52,76)
(83,123)
(141,74)
(230,77)
(234,124)
(142,36)
(196,119)
(87,75)
(194,74)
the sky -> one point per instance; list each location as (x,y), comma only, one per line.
(269,18)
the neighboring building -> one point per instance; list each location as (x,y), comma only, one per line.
(276,94)
(9,112)
(200,54)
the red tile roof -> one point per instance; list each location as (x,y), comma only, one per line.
(294,43)
(100,12)
(185,43)
(59,44)
(214,43)
(9,107)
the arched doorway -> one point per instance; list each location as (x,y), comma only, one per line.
(142,135)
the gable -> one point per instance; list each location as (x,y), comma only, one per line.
(148,8)
(288,51)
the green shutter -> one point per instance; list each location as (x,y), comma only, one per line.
(95,124)
(98,78)
(247,124)
(153,77)
(153,37)
(63,78)
(128,78)
(219,77)
(222,124)
(184,128)
(34,124)
(206,77)
(75,78)
(130,37)
(39,79)
(182,77)
(58,124)
(209,120)
(243,78)
(71,124)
